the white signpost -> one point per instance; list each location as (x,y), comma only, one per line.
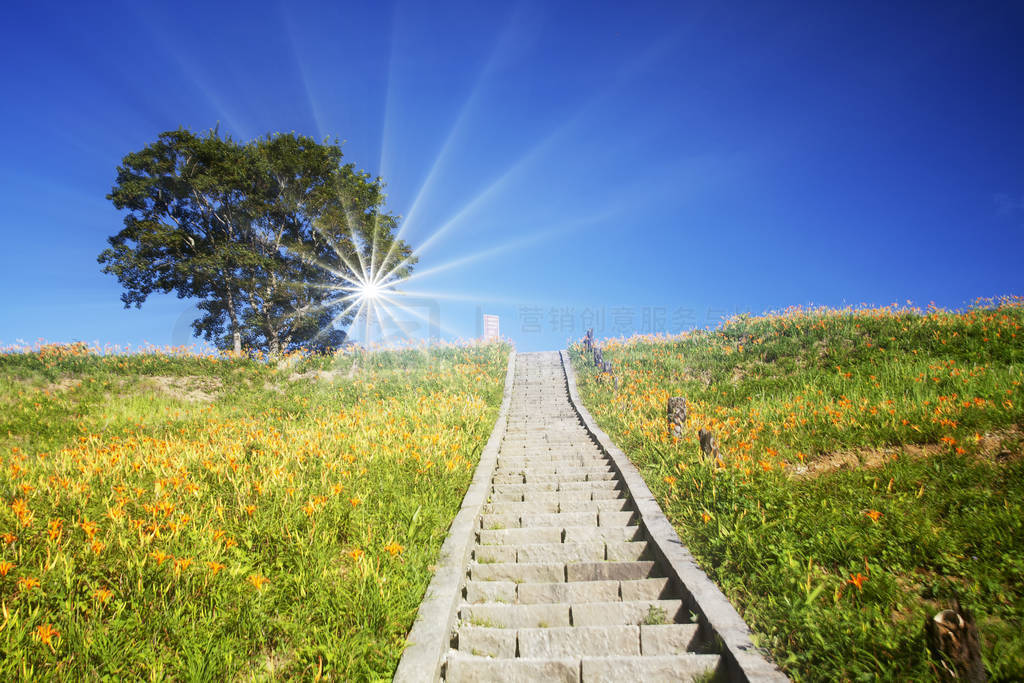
(491,328)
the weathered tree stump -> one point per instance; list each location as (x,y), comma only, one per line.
(955,646)
(598,357)
(708,443)
(676,415)
(588,339)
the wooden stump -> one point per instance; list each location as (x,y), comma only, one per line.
(708,443)
(676,415)
(955,646)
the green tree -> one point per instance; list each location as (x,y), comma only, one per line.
(268,236)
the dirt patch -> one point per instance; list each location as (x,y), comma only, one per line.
(316,375)
(1000,446)
(192,388)
(62,385)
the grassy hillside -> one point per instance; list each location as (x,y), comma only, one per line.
(871,470)
(204,518)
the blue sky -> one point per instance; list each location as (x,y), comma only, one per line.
(636,166)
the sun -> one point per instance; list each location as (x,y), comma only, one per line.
(369,290)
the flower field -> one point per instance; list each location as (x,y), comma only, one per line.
(870,471)
(171,515)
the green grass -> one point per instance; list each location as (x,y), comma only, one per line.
(871,471)
(201,518)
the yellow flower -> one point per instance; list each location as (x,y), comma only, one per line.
(706,517)
(258,580)
(355,554)
(159,556)
(874,515)
(354,501)
(215,567)
(394,548)
(102,594)
(5,567)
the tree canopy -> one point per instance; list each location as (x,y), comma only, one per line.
(268,235)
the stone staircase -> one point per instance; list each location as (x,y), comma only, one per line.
(562,583)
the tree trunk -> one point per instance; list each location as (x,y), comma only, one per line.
(236,332)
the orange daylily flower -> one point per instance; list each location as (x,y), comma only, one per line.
(46,633)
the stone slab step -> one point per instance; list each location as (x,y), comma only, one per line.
(611,571)
(560,552)
(500,507)
(494,554)
(571,592)
(629,612)
(492,615)
(602,475)
(521,572)
(647,589)
(462,668)
(656,669)
(577,534)
(512,507)
(494,591)
(550,486)
(519,536)
(668,639)
(527,593)
(575,641)
(559,519)
(487,642)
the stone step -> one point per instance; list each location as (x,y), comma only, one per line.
(565,496)
(586,551)
(559,519)
(494,615)
(554,486)
(487,642)
(519,536)
(461,668)
(652,669)
(668,639)
(517,508)
(622,504)
(603,475)
(611,571)
(554,469)
(464,668)
(521,572)
(578,534)
(560,552)
(647,589)
(493,591)
(617,518)
(571,592)
(575,641)
(627,612)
